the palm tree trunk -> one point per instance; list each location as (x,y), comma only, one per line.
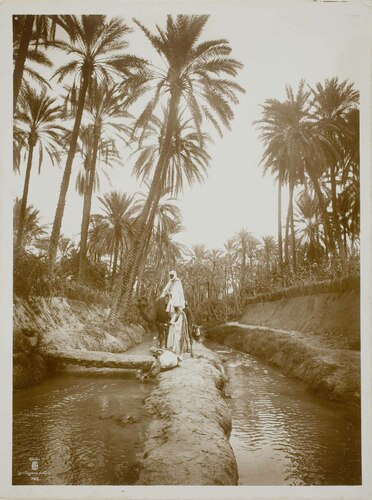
(87,207)
(140,238)
(327,226)
(280,237)
(286,241)
(336,217)
(21,58)
(56,231)
(293,238)
(26,185)
(115,260)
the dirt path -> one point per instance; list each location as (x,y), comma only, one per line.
(188,441)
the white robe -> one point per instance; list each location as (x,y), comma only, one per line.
(178,323)
(176,299)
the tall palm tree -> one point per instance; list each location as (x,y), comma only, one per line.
(96,46)
(271,128)
(282,135)
(107,117)
(187,159)
(332,103)
(350,180)
(38,120)
(196,76)
(29,32)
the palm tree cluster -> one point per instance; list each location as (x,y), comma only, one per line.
(216,281)
(104,102)
(311,143)
(87,113)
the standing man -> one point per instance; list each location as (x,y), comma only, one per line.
(174,290)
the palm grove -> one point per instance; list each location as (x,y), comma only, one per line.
(105,100)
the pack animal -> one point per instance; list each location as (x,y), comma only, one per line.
(158,319)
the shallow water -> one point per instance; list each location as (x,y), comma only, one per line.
(284,435)
(74,429)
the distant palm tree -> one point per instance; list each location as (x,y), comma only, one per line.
(33,231)
(111,232)
(65,246)
(282,133)
(194,77)
(269,247)
(308,219)
(38,123)
(96,45)
(231,257)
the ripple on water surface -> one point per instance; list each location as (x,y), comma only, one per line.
(77,430)
(282,434)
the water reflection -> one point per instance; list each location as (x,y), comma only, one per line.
(77,429)
(282,434)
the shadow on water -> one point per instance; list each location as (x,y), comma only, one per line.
(74,429)
(284,435)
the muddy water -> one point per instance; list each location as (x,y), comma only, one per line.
(284,435)
(80,429)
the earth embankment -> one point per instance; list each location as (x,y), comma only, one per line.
(59,324)
(188,442)
(314,338)
(332,318)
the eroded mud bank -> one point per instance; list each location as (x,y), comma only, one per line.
(188,442)
(328,371)
(58,323)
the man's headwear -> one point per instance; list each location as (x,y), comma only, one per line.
(173,274)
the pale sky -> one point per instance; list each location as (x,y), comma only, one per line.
(278,46)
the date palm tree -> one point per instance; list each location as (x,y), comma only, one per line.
(269,247)
(96,46)
(38,122)
(282,135)
(196,76)
(107,116)
(231,258)
(188,160)
(29,33)
(332,102)
(33,231)
(245,245)
(308,219)
(111,232)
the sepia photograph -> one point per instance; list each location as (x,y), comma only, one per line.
(185,218)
